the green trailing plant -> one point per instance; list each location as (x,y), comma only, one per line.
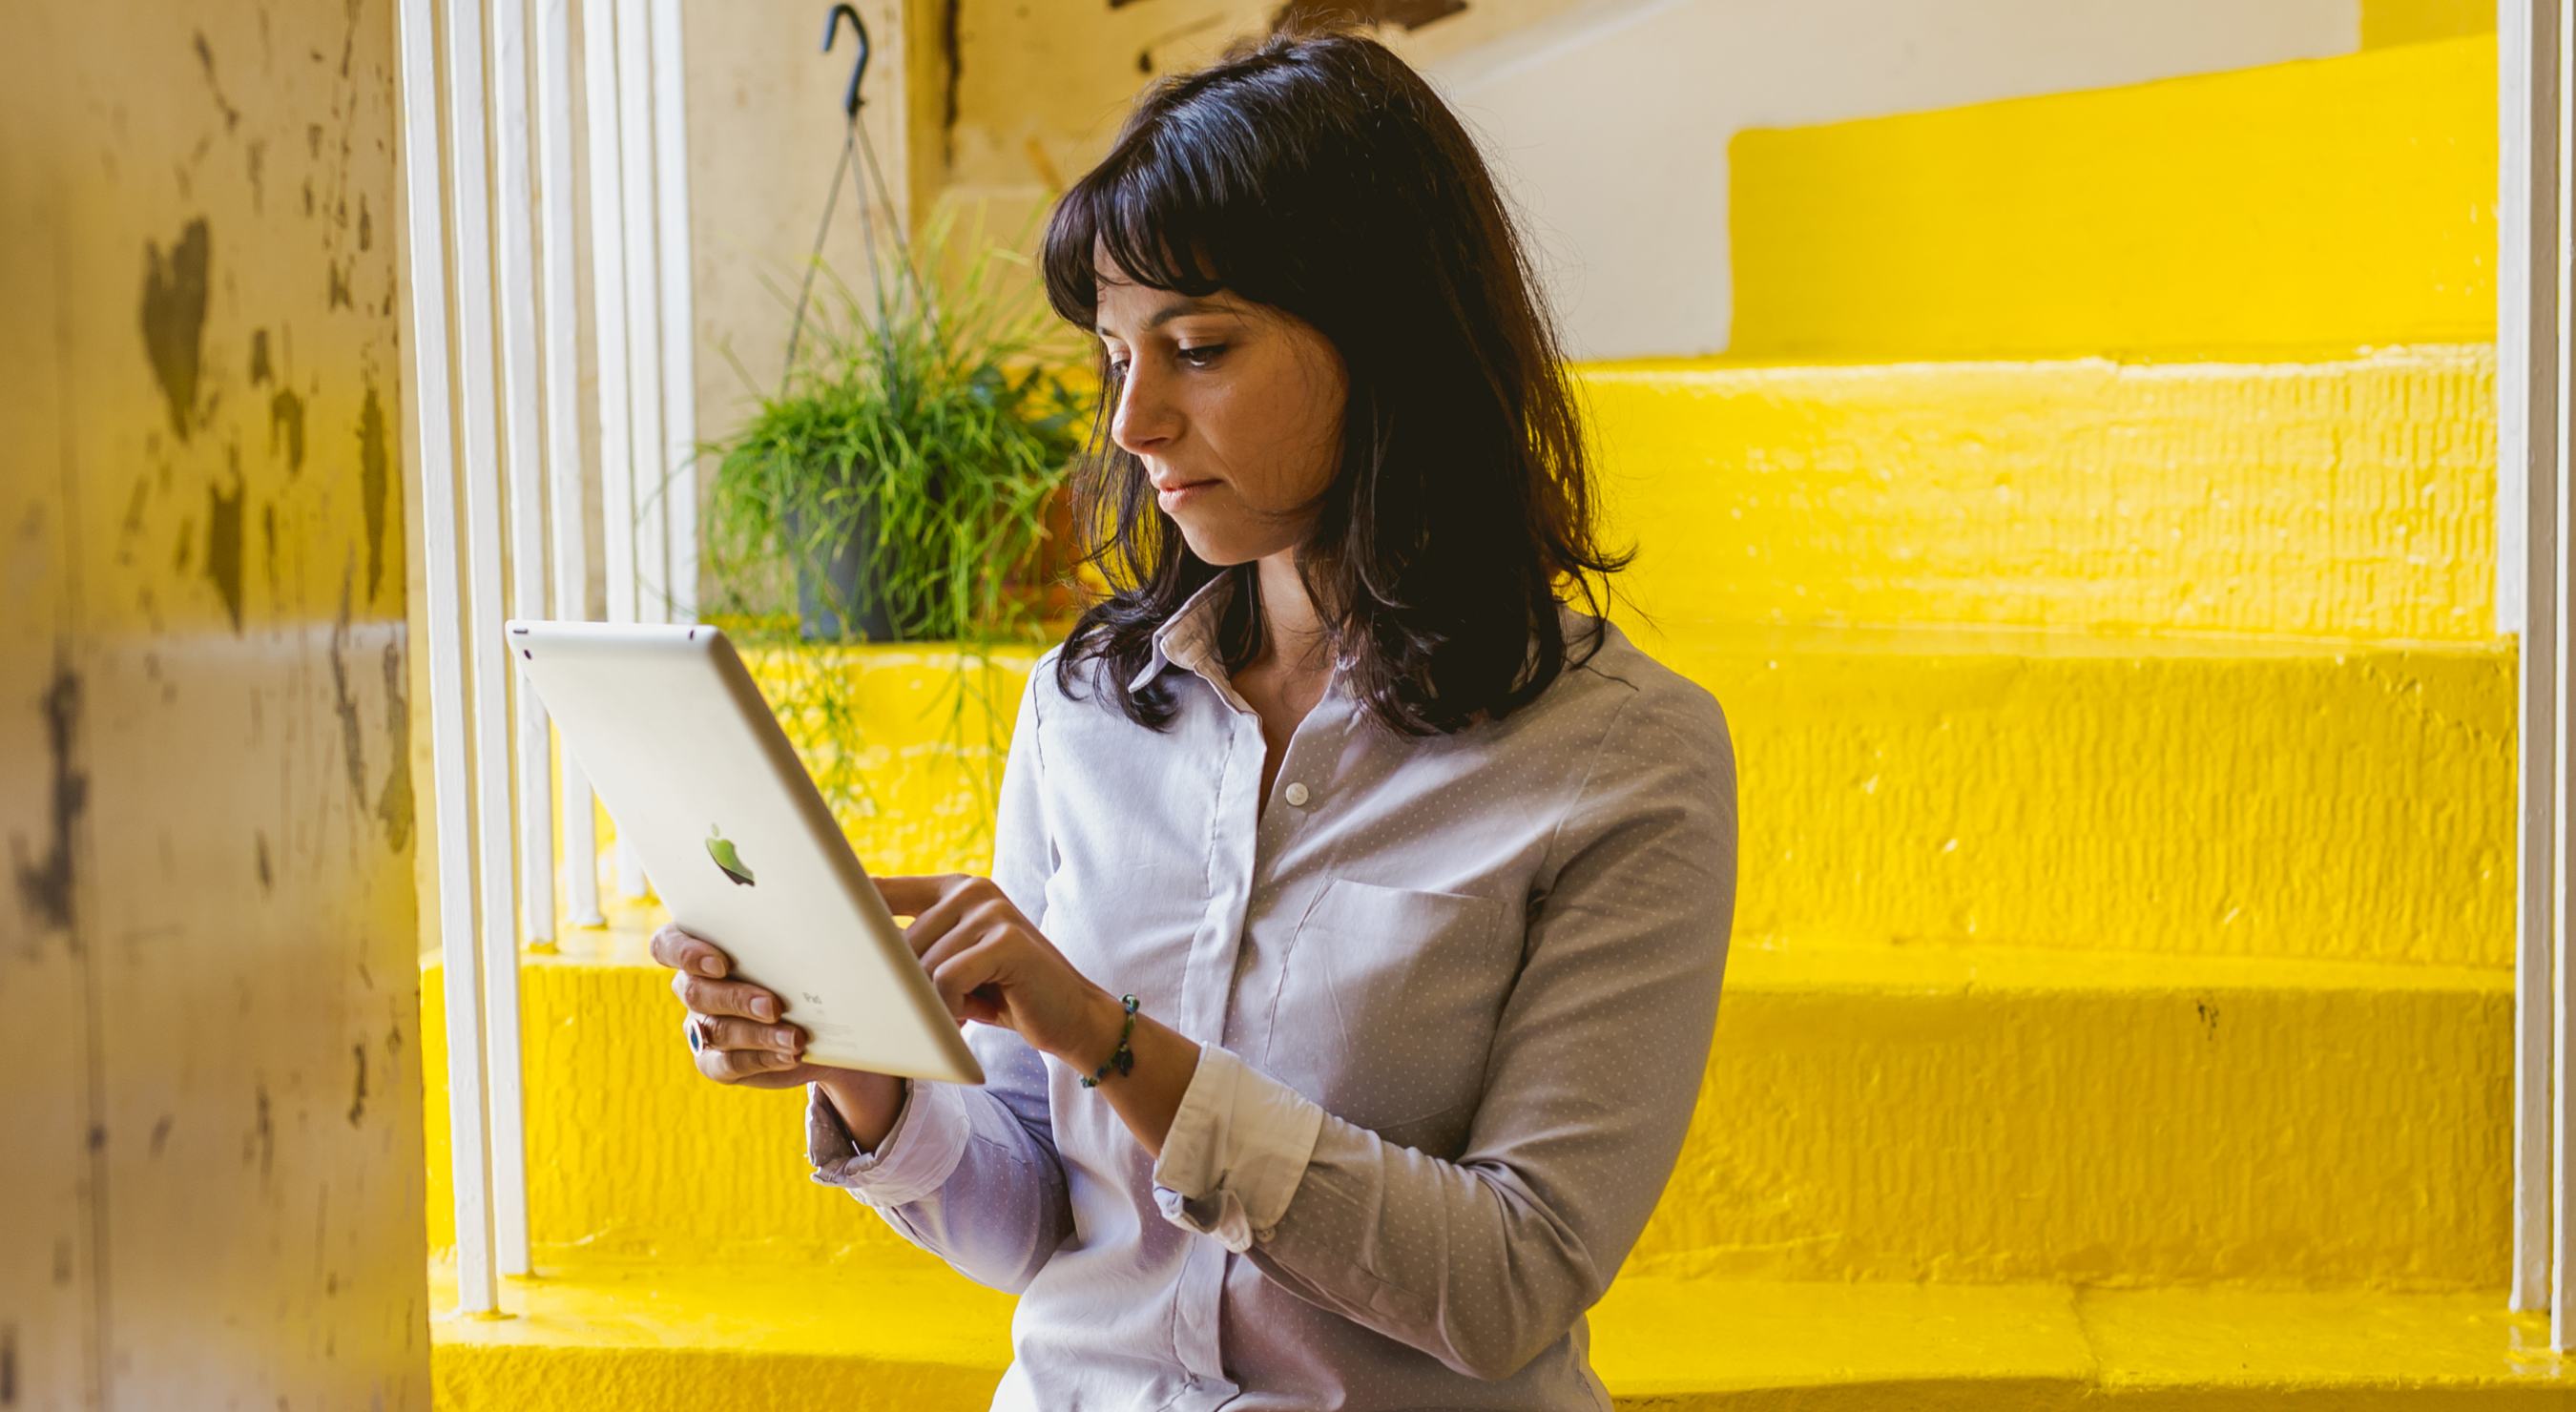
(898,481)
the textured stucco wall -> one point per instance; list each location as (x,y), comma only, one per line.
(765,129)
(208,1015)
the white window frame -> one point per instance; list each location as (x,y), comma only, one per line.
(495,353)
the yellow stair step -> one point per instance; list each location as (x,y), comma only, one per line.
(2349,498)
(2207,797)
(898,1331)
(1870,1113)
(1993,1115)
(2334,203)
(2087,791)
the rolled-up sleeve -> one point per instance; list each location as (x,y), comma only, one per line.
(1235,1151)
(920,1150)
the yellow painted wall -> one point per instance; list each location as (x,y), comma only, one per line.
(2326,499)
(2333,204)
(906,744)
(209,1044)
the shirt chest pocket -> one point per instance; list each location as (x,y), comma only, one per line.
(1390,1001)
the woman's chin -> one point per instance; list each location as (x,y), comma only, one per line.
(1224,551)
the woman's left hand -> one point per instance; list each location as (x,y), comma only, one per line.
(991,966)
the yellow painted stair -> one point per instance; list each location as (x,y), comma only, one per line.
(895,1332)
(1915,1112)
(2335,204)
(2347,500)
(1996,786)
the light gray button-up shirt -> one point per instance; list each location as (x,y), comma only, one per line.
(1454,996)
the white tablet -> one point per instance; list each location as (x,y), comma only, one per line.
(685,754)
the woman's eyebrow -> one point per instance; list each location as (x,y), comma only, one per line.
(1181,309)
(1177,309)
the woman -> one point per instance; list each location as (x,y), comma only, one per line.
(1415,880)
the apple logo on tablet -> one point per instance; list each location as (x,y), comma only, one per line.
(720,848)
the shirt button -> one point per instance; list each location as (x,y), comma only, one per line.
(1297,794)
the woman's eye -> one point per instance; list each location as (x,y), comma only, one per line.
(1202,355)
(1118,367)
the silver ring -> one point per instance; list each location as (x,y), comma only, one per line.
(695,1027)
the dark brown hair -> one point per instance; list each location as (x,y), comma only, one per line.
(1316,174)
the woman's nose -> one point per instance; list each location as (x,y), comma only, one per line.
(1146,420)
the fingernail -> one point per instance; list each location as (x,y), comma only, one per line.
(765,1008)
(787,1039)
(711,967)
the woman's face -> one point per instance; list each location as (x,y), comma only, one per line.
(1235,410)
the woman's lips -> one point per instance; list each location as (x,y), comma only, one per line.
(1170,495)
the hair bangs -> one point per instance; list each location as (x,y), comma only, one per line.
(1164,220)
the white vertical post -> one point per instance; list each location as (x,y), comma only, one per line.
(478,1289)
(679,482)
(559,303)
(608,306)
(643,345)
(643,308)
(522,427)
(2526,577)
(611,287)
(2559,61)
(487,608)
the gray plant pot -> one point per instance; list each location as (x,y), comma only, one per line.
(843,573)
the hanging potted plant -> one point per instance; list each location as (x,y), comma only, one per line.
(897,487)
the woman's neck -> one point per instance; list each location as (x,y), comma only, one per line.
(1292,633)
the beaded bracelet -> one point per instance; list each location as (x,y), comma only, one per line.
(1123,1059)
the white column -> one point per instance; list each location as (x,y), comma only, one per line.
(643,345)
(487,608)
(478,1289)
(608,306)
(2526,577)
(522,434)
(612,287)
(679,329)
(2562,1005)
(559,305)
(643,308)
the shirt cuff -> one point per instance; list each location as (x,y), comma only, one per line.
(1237,1149)
(919,1152)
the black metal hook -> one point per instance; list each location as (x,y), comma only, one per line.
(832,31)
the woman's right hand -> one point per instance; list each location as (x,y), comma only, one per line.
(741,1039)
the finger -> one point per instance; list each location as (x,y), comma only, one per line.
(954,910)
(723,1033)
(682,952)
(970,926)
(910,896)
(734,1065)
(960,977)
(741,998)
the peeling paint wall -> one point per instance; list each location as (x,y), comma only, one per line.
(208,1050)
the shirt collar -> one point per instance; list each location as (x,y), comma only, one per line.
(1188,636)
